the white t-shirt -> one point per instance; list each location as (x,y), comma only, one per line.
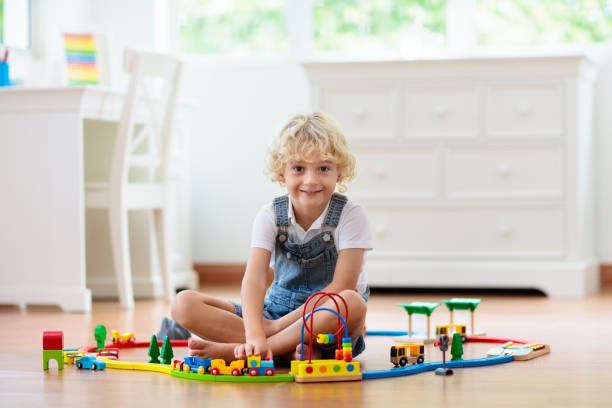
(352,231)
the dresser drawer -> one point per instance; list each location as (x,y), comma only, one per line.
(441,112)
(467,231)
(406,173)
(530,109)
(505,171)
(363,113)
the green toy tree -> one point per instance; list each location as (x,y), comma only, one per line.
(100,335)
(154,350)
(457,347)
(166,351)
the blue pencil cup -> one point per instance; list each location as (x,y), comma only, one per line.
(4,74)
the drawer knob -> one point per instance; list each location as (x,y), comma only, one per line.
(360,114)
(441,111)
(505,231)
(504,170)
(524,109)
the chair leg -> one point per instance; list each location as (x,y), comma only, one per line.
(163,252)
(120,242)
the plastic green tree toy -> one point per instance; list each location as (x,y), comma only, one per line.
(154,350)
(100,335)
(166,351)
(457,347)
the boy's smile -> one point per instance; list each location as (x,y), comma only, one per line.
(310,185)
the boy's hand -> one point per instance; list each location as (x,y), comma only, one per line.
(253,348)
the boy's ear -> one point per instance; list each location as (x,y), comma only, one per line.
(281,177)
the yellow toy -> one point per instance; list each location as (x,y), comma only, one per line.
(403,354)
(71,355)
(217,366)
(122,338)
(450,329)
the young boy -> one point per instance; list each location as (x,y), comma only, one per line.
(314,239)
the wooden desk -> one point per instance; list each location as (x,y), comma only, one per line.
(42,212)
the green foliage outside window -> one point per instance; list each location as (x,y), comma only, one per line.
(377,24)
(527,22)
(239,26)
(1,21)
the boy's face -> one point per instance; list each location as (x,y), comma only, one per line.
(310,184)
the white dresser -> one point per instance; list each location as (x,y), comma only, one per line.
(474,172)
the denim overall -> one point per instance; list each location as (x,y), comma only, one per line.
(303,269)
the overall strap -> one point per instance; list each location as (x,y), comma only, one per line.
(281,210)
(338,201)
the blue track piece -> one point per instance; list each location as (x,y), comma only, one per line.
(479,362)
(420,368)
(385,333)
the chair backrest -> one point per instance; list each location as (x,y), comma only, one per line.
(145,128)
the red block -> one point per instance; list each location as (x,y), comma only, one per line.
(53,340)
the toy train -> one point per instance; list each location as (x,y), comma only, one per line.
(254,366)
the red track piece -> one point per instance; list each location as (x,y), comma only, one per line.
(481,339)
(173,343)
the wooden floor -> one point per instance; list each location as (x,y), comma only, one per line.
(576,374)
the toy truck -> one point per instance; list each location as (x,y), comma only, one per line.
(217,366)
(194,365)
(257,366)
(403,354)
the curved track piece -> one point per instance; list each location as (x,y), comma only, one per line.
(420,368)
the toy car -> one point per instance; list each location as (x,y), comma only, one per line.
(257,366)
(217,366)
(108,353)
(71,354)
(122,338)
(193,364)
(90,363)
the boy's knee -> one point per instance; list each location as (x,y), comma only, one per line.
(181,305)
(357,306)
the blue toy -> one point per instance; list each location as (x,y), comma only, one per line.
(196,365)
(90,363)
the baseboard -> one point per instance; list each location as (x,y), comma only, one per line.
(232,273)
(606,274)
(224,274)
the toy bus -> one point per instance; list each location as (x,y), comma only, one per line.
(402,354)
(449,329)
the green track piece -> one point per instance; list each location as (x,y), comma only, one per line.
(228,378)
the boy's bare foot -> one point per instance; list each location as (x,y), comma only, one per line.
(316,352)
(210,349)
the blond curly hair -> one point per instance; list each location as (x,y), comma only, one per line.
(315,136)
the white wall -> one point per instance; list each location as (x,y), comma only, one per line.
(243,104)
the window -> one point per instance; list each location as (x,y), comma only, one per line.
(527,22)
(404,28)
(231,27)
(15,23)
(373,25)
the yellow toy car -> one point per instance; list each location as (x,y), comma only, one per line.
(122,338)
(217,366)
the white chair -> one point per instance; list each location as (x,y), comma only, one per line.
(142,142)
